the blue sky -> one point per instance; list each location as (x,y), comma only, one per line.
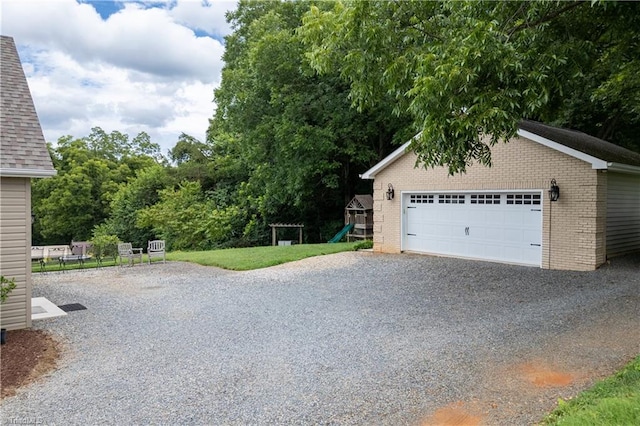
(105,8)
(130,66)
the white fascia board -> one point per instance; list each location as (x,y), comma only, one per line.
(371,173)
(596,163)
(27,173)
(623,168)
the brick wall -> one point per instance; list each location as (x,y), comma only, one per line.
(573,227)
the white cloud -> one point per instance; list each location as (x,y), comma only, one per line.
(204,16)
(142,69)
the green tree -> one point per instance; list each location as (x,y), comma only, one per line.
(194,161)
(116,145)
(104,243)
(188,220)
(140,192)
(300,140)
(463,69)
(90,171)
(70,204)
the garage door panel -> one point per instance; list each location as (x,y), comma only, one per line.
(502,227)
(533,236)
(457,215)
(531,255)
(486,251)
(494,219)
(487,232)
(514,218)
(512,234)
(451,231)
(483,215)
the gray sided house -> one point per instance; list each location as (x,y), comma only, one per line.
(23,155)
(504,213)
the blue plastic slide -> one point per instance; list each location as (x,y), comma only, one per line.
(342,233)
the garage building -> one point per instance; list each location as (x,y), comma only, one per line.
(504,213)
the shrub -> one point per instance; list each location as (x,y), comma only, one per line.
(6,287)
(362,245)
(105,246)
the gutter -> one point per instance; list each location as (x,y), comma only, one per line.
(623,168)
(27,173)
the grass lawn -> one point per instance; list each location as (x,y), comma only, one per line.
(53,265)
(613,401)
(237,259)
(244,259)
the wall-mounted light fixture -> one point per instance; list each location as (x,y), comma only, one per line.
(33,218)
(554,191)
(390,192)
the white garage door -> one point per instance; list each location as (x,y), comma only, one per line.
(505,227)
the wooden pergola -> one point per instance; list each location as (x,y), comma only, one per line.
(276,226)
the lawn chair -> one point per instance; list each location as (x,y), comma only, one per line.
(81,248)
(38,255)
(125,250)
(155,248)
(79,253)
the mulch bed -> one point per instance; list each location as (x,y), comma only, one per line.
(27,355)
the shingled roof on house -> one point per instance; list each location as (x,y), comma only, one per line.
(583,142)
(23,149)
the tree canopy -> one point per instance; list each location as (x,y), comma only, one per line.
(90,171)
(463,69)
(312,94)
(295,131)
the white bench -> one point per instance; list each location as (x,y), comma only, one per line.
(126,250)
(43,254)
(155,248)
(62,253)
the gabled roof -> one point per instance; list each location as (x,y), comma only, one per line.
(361,202)
(599,153)
(581,142)
(23,150)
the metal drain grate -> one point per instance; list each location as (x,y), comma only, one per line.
(72,307)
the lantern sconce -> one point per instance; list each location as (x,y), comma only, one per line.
(390,192)
(554,191)
(33,218)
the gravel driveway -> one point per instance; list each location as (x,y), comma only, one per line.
(351,338)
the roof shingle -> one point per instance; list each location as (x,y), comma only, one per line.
(23,149)
(583,142)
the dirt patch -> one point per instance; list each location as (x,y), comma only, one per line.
(27,356)
(522,388)
(541,375)
(456,414)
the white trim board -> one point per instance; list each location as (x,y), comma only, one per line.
(596,163)
(27,173)
(371,173)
